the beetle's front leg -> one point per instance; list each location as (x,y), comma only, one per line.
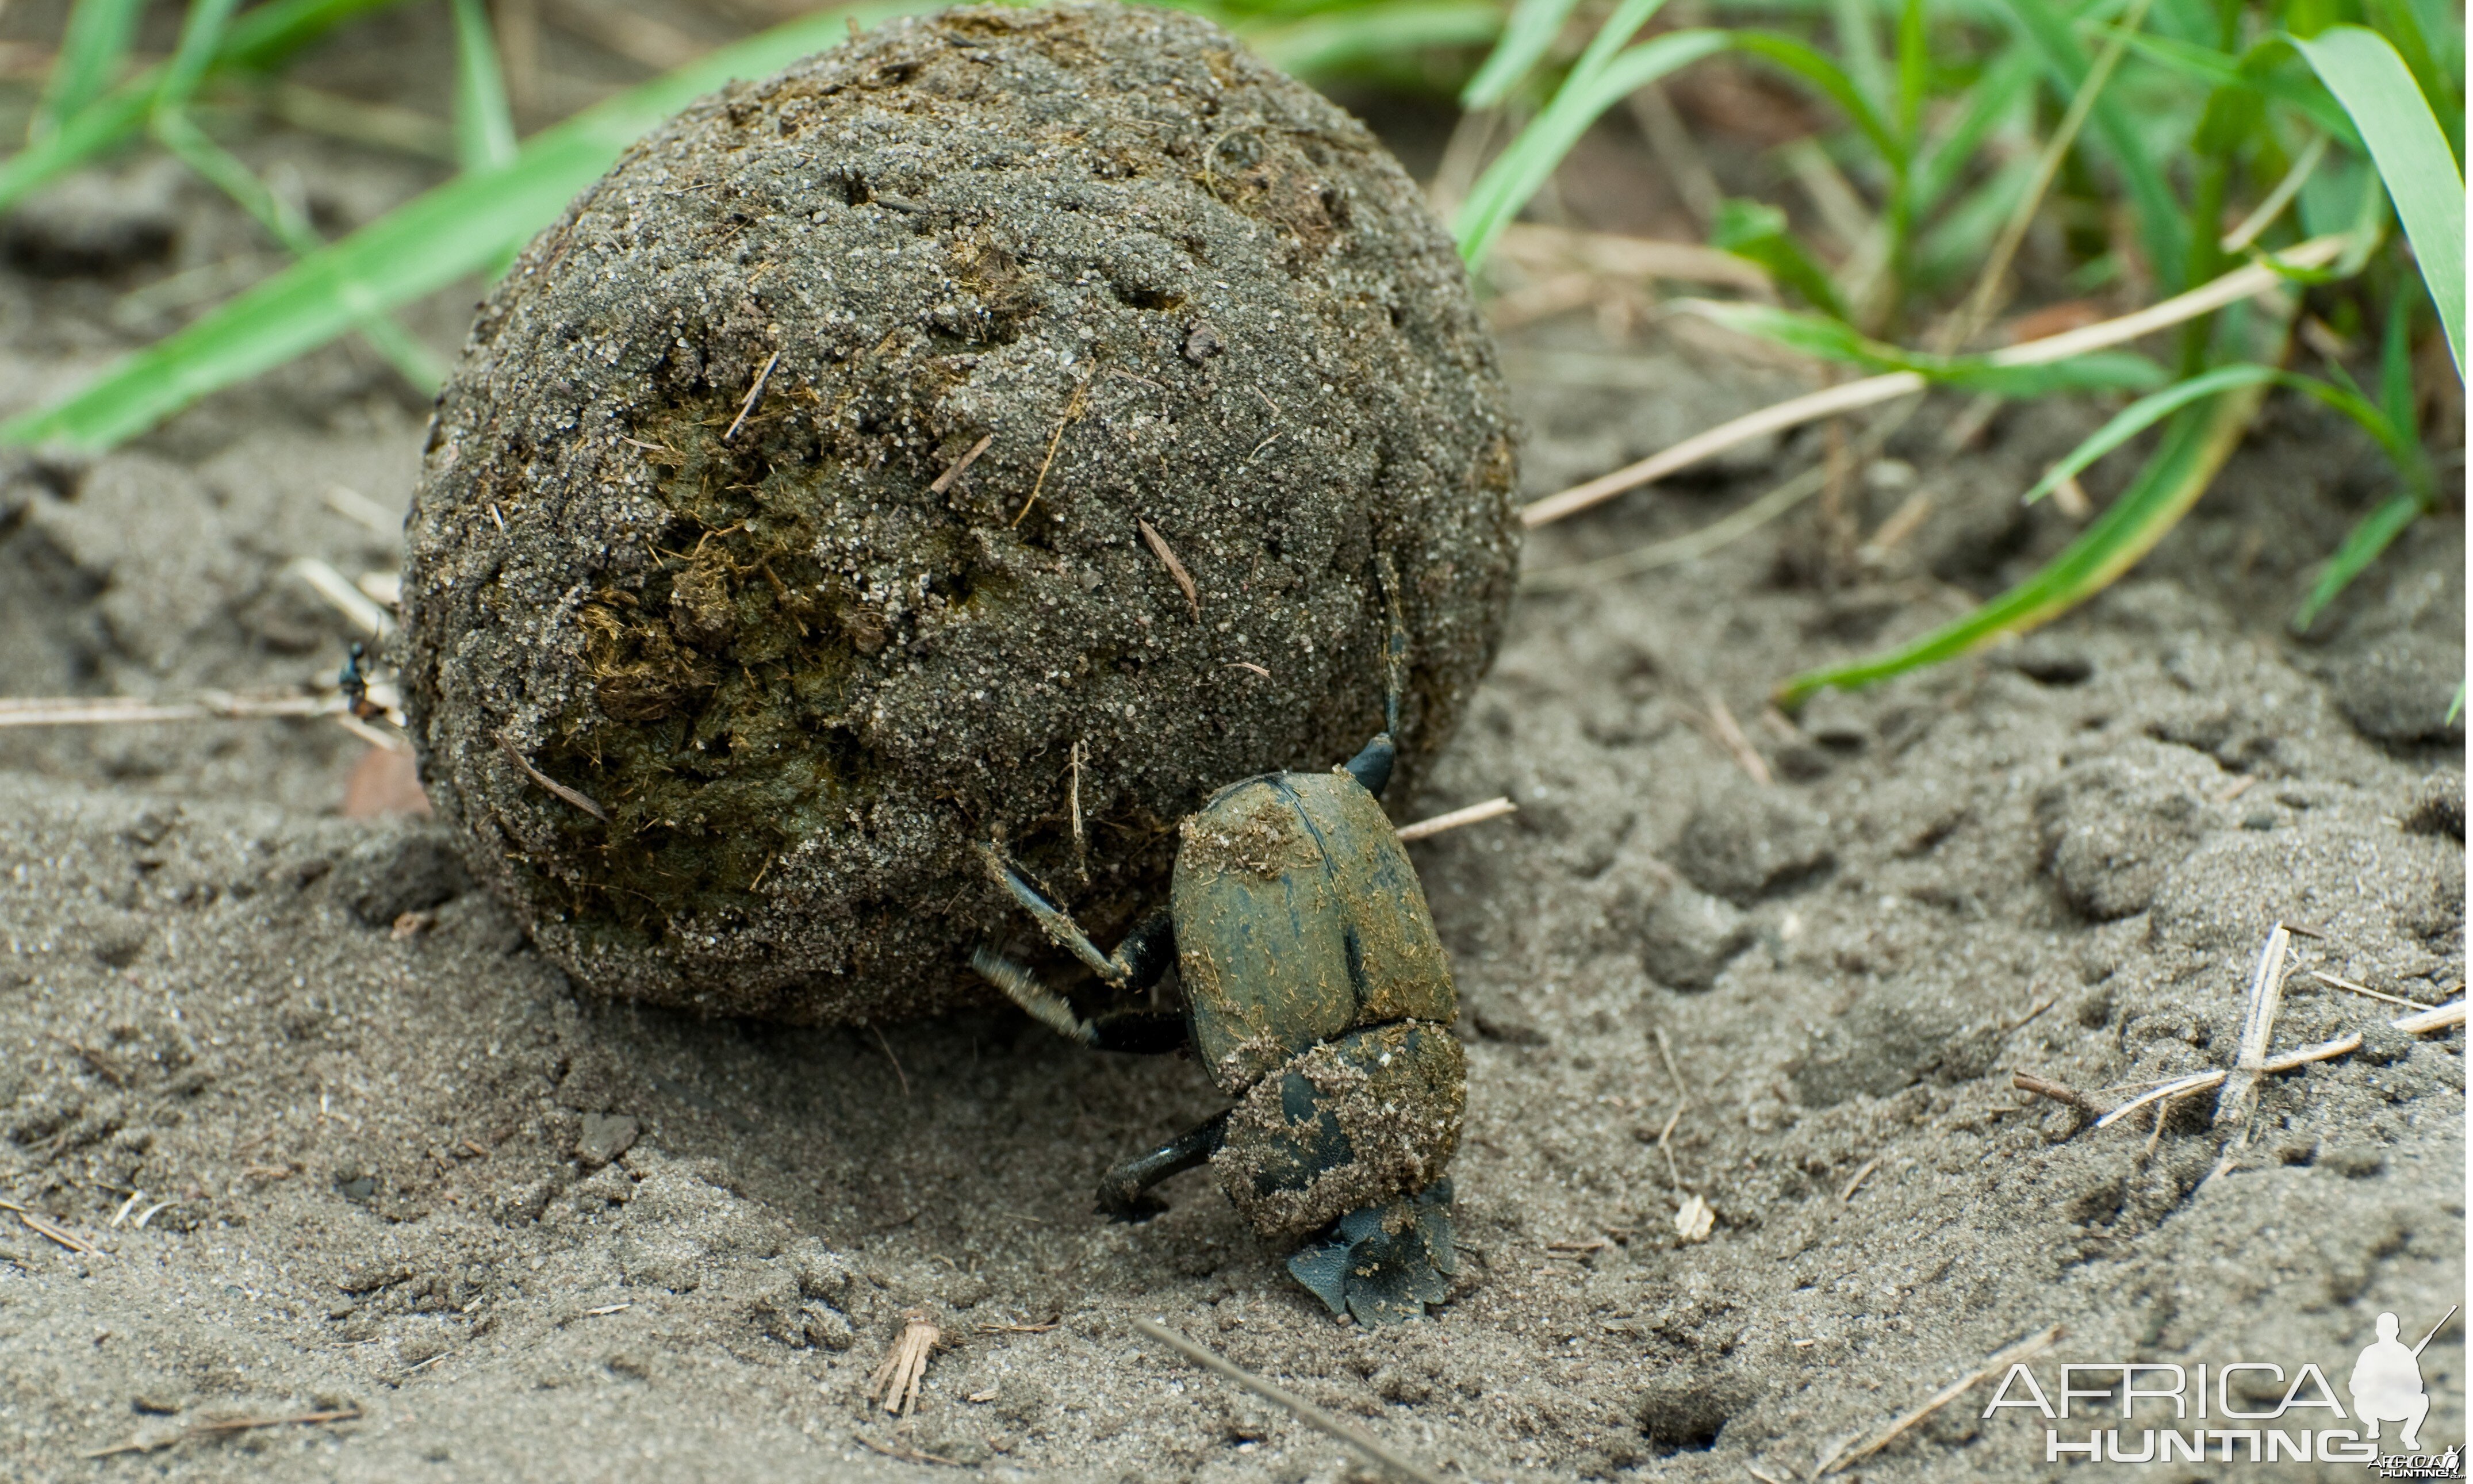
(1121,1190)
(1141,1032)
(1372,765)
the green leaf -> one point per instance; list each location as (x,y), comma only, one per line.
(2194,447)
(93,49)
(1526,37)
(1914,62)
(2362,546)
(1327,43)
(1519,170)
(258,37)
(2004,88)
(1756,231)
(2254,73)
(485,125)
(420,247)
(2422,179)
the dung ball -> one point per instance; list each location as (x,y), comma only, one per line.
(988,429)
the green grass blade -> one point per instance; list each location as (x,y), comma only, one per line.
(485,124)
(202,35)
(1519,170)
(2144,414)
(1832,80)
(2395,363)
(1756,231)
(258,37)
(420,247)
(93,49)
(2371,81)
(2362,546)
(2194,447)
(2395,20)
(1851,22)
(2161,230)
(1998,95)
(1327,43)
(1914,70)
(1526,37)
(2253,71)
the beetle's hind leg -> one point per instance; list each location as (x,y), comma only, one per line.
(1372,765)
(1122,1191)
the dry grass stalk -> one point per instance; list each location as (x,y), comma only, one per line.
(550,783)
(1614,255)
(1729,734)
(344,596)
(2359,989)
(1159,546)
(2258,1028)
(1072,410)
(753,393)
(45,1227)
(2438,1017)
(225,1427)
(1857,1184)
(1297,1406)
(2233,287)
(896,1383)
(1494,808)
(945,480)
(2058,1092)
(2201,1081)
(1666,1054)
(111,710)
(2000,1361)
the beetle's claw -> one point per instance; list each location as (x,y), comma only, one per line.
(1383,1263)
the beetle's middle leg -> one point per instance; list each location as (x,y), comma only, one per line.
(1137,962)
(1372,765)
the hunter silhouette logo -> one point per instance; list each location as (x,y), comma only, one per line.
(2386,1384)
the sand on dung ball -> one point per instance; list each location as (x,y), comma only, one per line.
(688,540)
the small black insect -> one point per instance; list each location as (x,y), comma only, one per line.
(1316,993)
(354,683)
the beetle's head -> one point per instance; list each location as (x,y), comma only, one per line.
(1360,1120)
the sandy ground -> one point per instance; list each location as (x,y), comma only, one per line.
(415,1174)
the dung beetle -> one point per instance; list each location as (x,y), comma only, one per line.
(1317,994)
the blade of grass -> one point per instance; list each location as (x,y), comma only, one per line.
(485,123)
(258,37)
(2362,546)
(1520,170)
(2160,228)
(1327,43)
(2371,81)
(2194,447)
(1997,95)
(421,246)
(93,49)
(1985,300)
(1526,37)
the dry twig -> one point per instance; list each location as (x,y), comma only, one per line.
(753,393)
(945,480)
(552,785)
(2258,1028)
(1492,808)
(1159,546)
(225,1427)
(2033,1345)
(1297,1406)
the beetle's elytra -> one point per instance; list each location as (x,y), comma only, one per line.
(1317,995)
